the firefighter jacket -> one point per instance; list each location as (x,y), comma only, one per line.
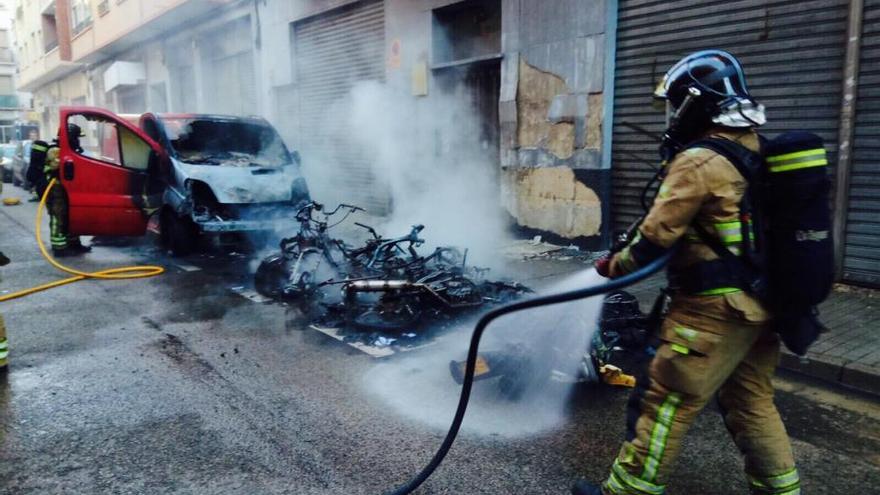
(702,187)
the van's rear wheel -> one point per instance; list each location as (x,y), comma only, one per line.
(180,235)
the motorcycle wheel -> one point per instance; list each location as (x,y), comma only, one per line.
(271,277)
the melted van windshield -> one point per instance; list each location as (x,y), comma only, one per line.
(225,142)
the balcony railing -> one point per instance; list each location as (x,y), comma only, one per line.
(81,26)
(50,45)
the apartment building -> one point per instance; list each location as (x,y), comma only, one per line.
(133,56)
(13,105)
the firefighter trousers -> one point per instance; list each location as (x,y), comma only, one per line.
(699,356)
(4,345)
(57,205)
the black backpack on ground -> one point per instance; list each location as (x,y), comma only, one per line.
(787,257)
(36,174)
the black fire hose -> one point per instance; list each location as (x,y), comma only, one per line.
(611,285)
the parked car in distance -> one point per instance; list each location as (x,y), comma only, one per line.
(7,152)
(20,162)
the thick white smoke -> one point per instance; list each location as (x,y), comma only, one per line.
(429,155)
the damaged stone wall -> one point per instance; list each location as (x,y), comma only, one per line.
(552,108)
(537,96)
(553,199)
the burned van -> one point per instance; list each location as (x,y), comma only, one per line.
(227,175)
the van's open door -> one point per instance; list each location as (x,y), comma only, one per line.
(111,173)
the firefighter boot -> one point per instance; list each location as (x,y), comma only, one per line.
(64,252)
(75,245)
(584,487)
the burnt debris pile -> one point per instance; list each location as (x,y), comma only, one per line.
(380,291)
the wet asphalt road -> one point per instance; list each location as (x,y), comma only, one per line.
(177,384)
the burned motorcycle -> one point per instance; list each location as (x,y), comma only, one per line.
(294,272)
(383,286)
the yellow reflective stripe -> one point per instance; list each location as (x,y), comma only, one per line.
(659,435)
(796,155)
(688,334)
(719,291)
(680,349)
(798,160)
(4,344)
(779,482)
(663,192)
(728,225)
(624,477)
(614,486)
(731,232)
(798,166)
(4,354)
(39,147)
(625,261)
(728,232)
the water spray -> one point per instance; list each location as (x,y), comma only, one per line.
(473,350)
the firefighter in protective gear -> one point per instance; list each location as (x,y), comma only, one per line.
(57,204)
(716,340)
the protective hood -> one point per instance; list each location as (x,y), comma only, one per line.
(741,113)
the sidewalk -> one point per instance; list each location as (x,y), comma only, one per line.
(849,354)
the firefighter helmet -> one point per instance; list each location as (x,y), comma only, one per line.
(74,132)
(716,74)
(705,88)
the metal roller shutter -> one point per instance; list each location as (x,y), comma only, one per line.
(334,51)
(793,54)
(861,262)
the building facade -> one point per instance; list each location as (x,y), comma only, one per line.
(137,55)
(14,105)
(556,88)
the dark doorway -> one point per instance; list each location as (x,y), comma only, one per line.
(467,62)
(480,83)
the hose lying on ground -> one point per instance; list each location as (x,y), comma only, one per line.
(535,302)
(121,273)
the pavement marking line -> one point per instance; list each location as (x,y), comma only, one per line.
(376,352)
(188,268)
(251,295)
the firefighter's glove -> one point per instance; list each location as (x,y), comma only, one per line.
(603,266)
(3,259)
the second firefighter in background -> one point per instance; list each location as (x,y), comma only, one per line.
(63,244)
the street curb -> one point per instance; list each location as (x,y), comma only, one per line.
(835,371)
